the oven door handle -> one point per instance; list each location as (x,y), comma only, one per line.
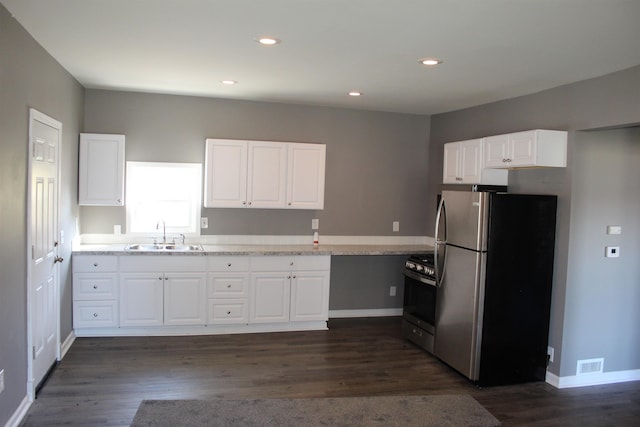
(415,276)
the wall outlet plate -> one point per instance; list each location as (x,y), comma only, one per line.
(392,291)
(614,229)
(612,251)
(315,223)
(204,222)
(396,226)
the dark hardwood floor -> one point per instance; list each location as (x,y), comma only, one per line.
(101,381)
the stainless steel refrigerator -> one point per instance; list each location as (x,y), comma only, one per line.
(494,265)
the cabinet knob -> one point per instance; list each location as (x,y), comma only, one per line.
(95,314)
(229,265)
(291,263)
(95,286)
(228,313)
(244,203)
(249,203)
(289,203)
(289,277)
(229,286)
(95,264)
(160,278)
(294,276)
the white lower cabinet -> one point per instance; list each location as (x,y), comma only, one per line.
(95,291)
(166,294)
(162,290)
(228,290)
(290,289)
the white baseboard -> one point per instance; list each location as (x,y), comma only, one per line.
(375,312)
(19,414)
(66,345)
(586,380)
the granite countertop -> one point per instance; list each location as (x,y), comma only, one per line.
(119,249)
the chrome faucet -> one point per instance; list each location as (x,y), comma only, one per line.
(164,230)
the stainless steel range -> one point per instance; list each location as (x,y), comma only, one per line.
(419,308)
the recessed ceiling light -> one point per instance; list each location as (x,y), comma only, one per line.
(228,82)
(355,93)
(268,41)
(430,61)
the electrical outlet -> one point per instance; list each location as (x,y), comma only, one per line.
(396,226)
(612,251)
(204,222)
(1,381)
(550,353)
(314,224)
(614,229)
(392,291)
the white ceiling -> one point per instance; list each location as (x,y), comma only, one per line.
(492,49)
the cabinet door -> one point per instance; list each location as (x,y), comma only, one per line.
(471,161)
(267,169)
(451,164)
(270,293)
(185,300)
(305,176)
(496,151)
(141,299)
(310,296)
(225,184)
(101,170)
(522,147)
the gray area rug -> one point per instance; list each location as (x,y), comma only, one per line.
(405,411)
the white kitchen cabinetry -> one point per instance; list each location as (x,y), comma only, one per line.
(535,148)
(289,289)
(101,170)
(305,176)
(162,290)
(464,164)
(264,174)
(95,291)
(228,290)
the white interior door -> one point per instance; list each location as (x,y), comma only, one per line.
(44,146)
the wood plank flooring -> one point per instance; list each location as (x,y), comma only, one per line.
(101,381)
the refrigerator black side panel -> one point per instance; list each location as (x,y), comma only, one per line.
(519,273)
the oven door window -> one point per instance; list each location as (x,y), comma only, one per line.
(420,300)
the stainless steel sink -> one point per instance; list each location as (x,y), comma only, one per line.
(159,247)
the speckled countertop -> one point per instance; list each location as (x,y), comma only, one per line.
(257,250)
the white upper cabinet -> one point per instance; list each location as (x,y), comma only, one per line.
(267,174)
(264,174)
(101,170)
(306,169)
(535,148)
(225,184)
(463,164)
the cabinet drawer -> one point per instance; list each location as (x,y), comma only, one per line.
(228,285)
(228,311)
(95,286)
(95,314)
(228,263)
(94,263)
(290,263)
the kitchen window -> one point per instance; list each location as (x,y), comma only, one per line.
(163,196)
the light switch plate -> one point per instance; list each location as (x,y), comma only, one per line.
(614,229)
(396,226)
(204,222)
(315,223)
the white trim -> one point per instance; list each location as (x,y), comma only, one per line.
(586,380)
(96,239)
(66,345)
(19,413)
(375,312)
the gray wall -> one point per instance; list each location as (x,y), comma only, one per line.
(376,162)
(609,101)
(29,77)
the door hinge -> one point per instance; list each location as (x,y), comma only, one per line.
(33,252)
(34,352)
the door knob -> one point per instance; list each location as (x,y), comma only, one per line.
(58,259)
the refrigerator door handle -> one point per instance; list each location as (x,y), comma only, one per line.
(442,214)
